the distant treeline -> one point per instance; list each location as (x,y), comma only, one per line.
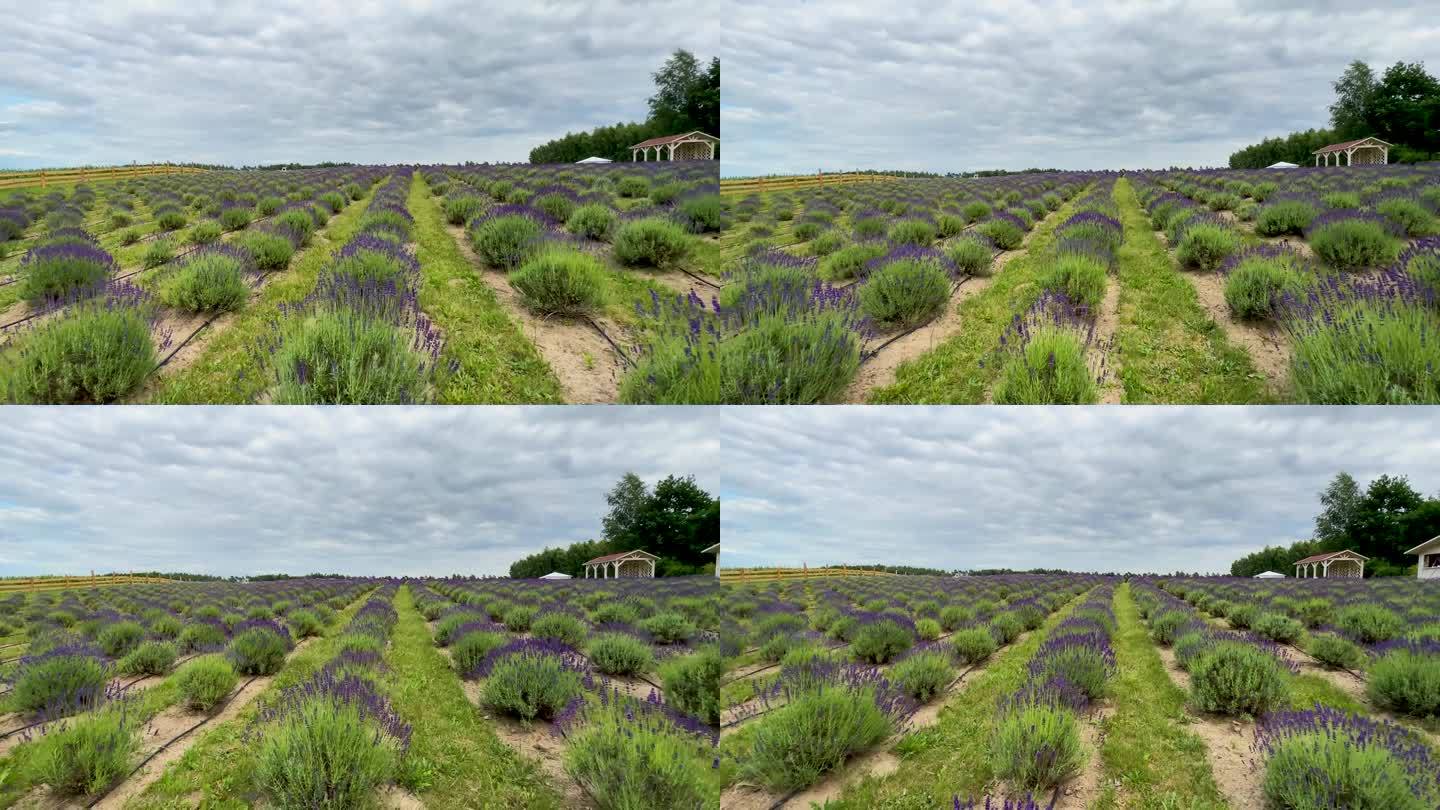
(1401,107)
(185,577)
(687,98)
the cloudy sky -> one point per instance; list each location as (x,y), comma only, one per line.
(1133,489)
(236,491)
(1002,84)
(313,80)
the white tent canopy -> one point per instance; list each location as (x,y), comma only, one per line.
(1282,165)
(1269,575)
(556,575)
(594,160)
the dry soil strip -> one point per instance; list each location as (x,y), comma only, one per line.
(536,741)
(1227,745)
(171,733)
(584,362)
(1084,788)
(1107,321)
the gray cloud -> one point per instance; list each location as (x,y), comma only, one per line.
(999,84)
(285,80)
(356,490)
(1143,489)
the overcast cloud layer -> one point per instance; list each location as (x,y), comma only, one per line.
(1010,85)
(1087,489)
(234,491)
(283,80)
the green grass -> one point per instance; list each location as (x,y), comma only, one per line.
(217,769)
(466,763)
(951,373)
(1159,764)
(497,364)
(951,757)
(228,370)
(1168,348)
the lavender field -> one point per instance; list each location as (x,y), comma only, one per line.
(1313,285)
(351,693)
(480,283)
(1080,691)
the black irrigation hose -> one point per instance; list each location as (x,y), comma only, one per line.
(625,356)
(174,740)
(13,732)
(707,282)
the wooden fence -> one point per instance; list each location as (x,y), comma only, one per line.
(55,583)
(763,184)
(734,575)
(47,177)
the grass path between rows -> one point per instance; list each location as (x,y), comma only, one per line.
(455,754)
(1169,349)
(1159,764)
(952,757)
(229,371)
(951,373)
(497,363)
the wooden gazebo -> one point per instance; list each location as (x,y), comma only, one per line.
(624,564)
(1365,151)
(691,146)
(1343,564)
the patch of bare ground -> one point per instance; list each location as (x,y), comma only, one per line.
(1085,787)
(41,797)
(1266,343)
(1107,320)
(879,370)
(1228,746)
(582,360)
(159,736)
(394,797)
(538,741)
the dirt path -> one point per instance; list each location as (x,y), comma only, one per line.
(879,370)
(1107,321)
(582,360)
(1086,787)
(1227,745)
(537,741)
(163,729)
(1267,344)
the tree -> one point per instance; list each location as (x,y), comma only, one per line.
(1405,107)
(629,502)
(1381,516)
(1340,499)
(686,97)
(1350,115)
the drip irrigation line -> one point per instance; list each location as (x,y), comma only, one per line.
(916,328)
(16,644)
(707,282)
(623,355)
(13,732)
(173,740)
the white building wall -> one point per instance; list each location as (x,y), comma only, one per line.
(1428,573)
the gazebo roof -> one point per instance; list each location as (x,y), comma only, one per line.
(715,549)
(674,138)
(1346,554)
(1341,147)
(1432,543)
(604,558)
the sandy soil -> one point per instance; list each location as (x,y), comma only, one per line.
(166,726)
(1266,344)
(583,361)
(1227,745)
(879,370)
(535,741)
(1085,787)
(394,797)
(1107,321)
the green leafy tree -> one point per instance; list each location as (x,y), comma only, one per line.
(1340,500)
(1350,115)
(1404,108)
